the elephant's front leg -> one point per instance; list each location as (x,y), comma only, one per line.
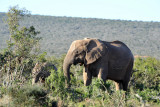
(118,85)
(102,75)
(87,76)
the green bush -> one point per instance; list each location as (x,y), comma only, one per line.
(3,91)
(26,95)
(147,73)
(150,95)
(56,82)
(146,79)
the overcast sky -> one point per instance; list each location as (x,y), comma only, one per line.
(140,10)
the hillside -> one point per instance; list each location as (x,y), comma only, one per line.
(59,32)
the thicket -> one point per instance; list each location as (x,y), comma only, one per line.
(144,89)
(19,58)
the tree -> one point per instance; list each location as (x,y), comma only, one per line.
(23,46)
(23,39)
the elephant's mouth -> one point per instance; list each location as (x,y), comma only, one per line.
(78,61)
(80,64)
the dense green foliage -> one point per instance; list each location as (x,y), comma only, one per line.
(142,90)
(146,78)
(58,33)
(149,71)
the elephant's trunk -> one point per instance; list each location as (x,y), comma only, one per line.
(66,68)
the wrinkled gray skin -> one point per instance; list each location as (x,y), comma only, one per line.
(105,60)
(40,72)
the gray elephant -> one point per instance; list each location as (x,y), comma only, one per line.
(41,71)
(102,59)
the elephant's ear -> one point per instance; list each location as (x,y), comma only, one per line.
(95,50)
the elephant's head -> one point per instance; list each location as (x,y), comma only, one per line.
(83,52)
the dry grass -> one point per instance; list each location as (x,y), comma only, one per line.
(5,100)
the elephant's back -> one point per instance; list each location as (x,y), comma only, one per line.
(119,53)
(118,47)
(117,44)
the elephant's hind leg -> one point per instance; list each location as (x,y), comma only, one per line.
(125,85)
(127,76)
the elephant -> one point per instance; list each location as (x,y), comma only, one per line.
(102,59)
(41,71)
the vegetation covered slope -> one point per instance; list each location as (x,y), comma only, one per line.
(59,32)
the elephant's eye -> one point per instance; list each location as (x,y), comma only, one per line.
(76,52)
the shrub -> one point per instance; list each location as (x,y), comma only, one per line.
(147,73)
(26,96)
(56,82)
(146,79)
(150,95)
